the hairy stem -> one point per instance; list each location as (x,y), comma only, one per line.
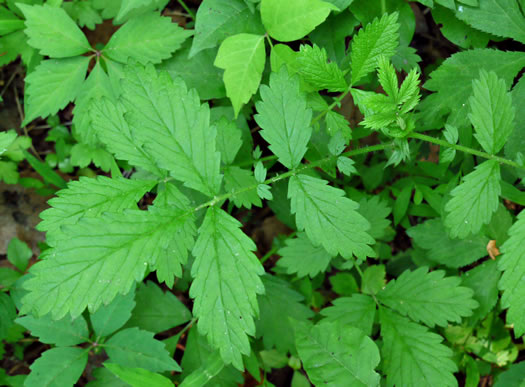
(465,149)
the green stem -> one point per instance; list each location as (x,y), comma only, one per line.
(186,8)
(292,172)
(383,6)
(336,102)
(465,149)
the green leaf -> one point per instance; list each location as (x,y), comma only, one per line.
(229,139)
(242,57)
(9,22)
(492,113)
(83,13)
(356,311)
(440,248)
(173,126)
(112,129)
(329,218)
(9,172)
(224,269)
(219,19)
(376,211)
(452,82)
(293,19)
(278,307)
(51,30)
(379,38)
(483,279)
(109,318)
(6,139)
(388,77)
(412,355)
(337,355)
(90,198)
(52,85)
(63,333)
(138,349)
(428,297)
(474,200)
(235,179)
(97,86)
(498,17)
(58,367)
(148,38)
(374,279)
(105,378)
(157,311)
(101,257)
(18,253)
(284,118)
(126,6)
(512,264)
(315,69)
(44,170)
(198,72)
(138,377)
(302,258)
(513,377)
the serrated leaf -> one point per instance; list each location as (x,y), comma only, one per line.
(225,263)
(173,126)
(337,355)
(376,211)
(229,139)
(452,82)
(109,318)
(483,279)
(329,218)
(138,377)
(284,118)
(9,22)
(95,87)
(315,69)
(136,348)
(379,38)
(51,30)
(474,200)
(219,19)
(114,132)
(498,17)
(64,332)
(278,305)
(235,179)
(429,297)
(440,248)
(101,257)
(387,77)
(242,57)
(57,367)
(148,38)
(83,13)
(294,19)
(357,311)
(126,6)
(302,258)
(6,139)
(18,253)
(52,85)
(512,264)
(90,198)
(492,113)
(157,311)
(412,355)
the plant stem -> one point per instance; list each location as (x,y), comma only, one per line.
(187,9)
(336,102)
(465,149)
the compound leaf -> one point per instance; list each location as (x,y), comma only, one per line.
(278,305)
(293,19)
(428,297)
(226,283)
(136,348)
(412,355)
(337,355)
(173,126)
(379,38)
(52,85)
(329,218)
(474,200)
(58,367)
(512,264)
(98,258)
(492,113)
(147,38)
(53,32)
(242,57)
(317,71)
(284,118)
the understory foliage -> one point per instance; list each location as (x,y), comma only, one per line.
(403,263)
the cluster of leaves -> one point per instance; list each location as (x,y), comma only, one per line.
(402,317)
